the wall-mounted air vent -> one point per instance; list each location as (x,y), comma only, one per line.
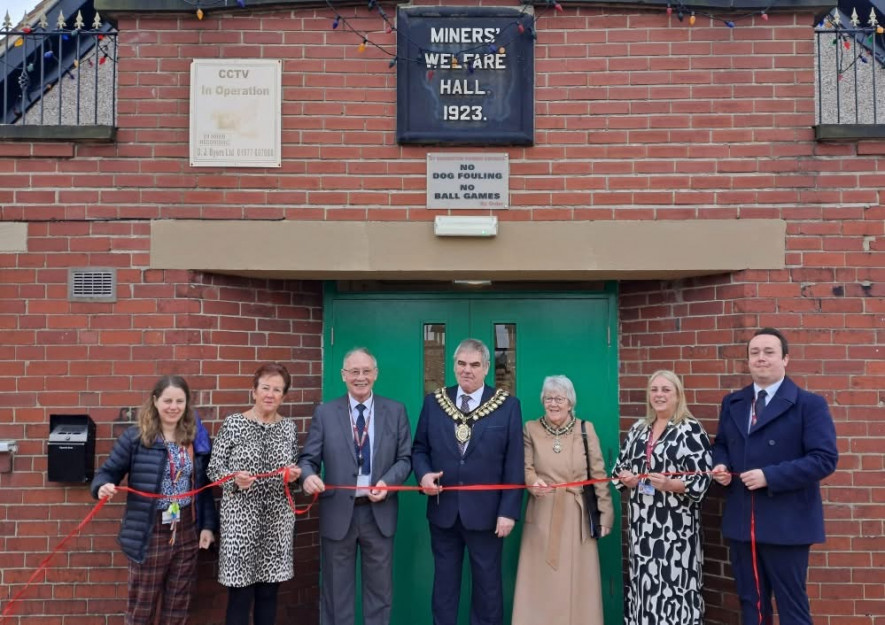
(92,284)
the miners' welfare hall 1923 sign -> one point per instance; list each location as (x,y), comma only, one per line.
(465,75)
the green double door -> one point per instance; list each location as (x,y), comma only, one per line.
(531,336)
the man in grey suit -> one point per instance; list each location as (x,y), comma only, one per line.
(360,440)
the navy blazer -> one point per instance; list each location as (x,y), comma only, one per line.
(794,443)
(494,455)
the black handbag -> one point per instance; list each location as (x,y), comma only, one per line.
(591,506)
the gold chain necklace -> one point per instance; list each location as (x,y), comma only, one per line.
(464,422)
(557,432)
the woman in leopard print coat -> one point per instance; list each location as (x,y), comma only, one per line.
(257,524)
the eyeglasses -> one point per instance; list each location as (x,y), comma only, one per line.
(355,373)
(555,400)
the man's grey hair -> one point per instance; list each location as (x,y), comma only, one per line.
(474,345)
(359,350)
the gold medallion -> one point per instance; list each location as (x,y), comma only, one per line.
(462,433)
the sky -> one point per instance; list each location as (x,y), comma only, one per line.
(16,9)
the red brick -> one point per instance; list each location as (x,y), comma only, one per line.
(676,137)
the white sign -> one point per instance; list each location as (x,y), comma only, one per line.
(236,112)
(468,180)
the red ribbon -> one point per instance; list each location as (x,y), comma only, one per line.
(285,471)
(753,552)
(227,478)
(7,609)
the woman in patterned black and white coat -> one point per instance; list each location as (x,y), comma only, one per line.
(257,524)
(664,512)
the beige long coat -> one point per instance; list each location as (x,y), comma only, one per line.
(558,577)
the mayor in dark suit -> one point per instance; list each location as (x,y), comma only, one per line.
(775,443)
(469,434)
(360,440)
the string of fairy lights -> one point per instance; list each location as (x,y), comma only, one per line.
(859,38)
(683,11)
(47,40)
(43,63)
(524,24)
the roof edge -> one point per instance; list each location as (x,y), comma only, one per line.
(112,7)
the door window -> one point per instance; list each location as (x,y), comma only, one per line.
(434,356)
(505,356)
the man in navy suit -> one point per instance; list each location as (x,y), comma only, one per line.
(780,441)
(361,440)
(469,434)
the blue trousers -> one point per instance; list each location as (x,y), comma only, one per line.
(484,550)
(783,570)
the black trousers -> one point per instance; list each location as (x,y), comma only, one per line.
(240,601)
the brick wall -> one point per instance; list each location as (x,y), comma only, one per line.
(638,116)
(102,359)
(700,328)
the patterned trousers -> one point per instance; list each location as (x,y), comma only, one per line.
(164,581)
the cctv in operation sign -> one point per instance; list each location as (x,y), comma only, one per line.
(235,113)
(465,75)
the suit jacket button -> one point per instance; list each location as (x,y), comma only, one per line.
(772,443)
(461,462)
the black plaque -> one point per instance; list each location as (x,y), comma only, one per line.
(465,75)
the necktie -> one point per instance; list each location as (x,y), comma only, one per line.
(759,407)
(465,408)
(362,446)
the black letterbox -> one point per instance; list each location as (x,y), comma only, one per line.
(71,448)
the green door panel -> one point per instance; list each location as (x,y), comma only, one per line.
(557,333)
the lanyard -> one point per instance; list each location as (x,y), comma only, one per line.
(173,474)
(649,446)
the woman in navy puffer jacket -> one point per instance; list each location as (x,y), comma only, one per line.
(166,453)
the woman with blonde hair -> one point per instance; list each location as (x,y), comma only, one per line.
(671,450)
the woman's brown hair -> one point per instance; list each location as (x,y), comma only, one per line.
(149,417)
(273,368)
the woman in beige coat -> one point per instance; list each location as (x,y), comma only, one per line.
(558,577)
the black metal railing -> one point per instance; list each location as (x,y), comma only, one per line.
(64,76)
(850,71)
